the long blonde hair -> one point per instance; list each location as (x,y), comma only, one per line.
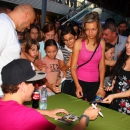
(92,17)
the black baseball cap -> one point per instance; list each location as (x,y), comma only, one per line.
(20,70)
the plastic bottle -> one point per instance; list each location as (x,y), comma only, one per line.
(35,97)
(43,98)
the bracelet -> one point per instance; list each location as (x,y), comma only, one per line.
(34,59)
(87,119)
(101,88)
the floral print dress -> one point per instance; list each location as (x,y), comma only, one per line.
(122,84)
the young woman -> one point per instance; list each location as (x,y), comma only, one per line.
(109,54)
(52,67)
(68,36)
(121,83)
(87,77)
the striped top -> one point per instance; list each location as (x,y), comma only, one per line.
(64,54)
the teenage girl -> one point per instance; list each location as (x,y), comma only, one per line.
(89,78)
(52,67)
(68,37)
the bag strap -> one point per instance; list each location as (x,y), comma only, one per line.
(90,58)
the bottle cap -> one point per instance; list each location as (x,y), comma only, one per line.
(36,85)
(44,86)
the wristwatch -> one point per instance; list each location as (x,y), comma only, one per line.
(87,119)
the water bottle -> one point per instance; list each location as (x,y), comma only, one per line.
(43,98)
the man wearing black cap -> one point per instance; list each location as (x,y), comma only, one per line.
(17,77)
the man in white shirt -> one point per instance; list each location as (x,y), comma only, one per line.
(18,19)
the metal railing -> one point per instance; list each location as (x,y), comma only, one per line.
(87,9)
(78,9)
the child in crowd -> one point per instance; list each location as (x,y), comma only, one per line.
(52,67)
(68,37)
(56,37)
(33,33)
(48,31)
(23,43)
(109,54)
(32,48)
(20,35)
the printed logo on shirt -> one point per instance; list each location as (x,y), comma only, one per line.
(54,68)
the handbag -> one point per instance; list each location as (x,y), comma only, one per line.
(89,59)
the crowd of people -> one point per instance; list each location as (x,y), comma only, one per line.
(83,56)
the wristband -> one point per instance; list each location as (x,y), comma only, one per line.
(87,119)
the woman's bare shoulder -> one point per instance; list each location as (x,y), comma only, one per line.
(78,42)
(102,42)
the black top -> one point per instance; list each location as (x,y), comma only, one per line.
(122,84)
(108,71)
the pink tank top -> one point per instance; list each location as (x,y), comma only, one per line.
(89,72)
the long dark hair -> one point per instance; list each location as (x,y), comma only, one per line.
(121,62)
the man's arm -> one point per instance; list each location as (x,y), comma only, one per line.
(52,113)
(91,113)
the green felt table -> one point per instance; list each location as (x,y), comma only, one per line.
(112,120)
